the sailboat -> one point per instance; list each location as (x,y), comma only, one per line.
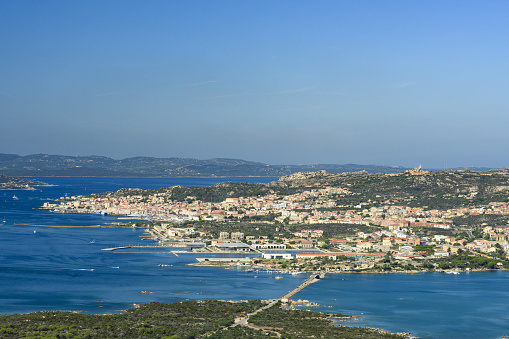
(15,197)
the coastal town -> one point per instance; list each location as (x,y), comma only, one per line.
(392,237)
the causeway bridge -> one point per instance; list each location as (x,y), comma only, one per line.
(311,280)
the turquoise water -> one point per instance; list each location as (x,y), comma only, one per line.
(65,269)
(438,305)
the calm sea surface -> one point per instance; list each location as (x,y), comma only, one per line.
(64,268)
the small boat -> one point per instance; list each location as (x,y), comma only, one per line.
(279,277)
(15,197)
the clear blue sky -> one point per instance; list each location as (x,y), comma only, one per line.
(280,82)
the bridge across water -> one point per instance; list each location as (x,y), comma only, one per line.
(311,280)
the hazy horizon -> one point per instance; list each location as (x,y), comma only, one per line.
(393,83)
(445,167)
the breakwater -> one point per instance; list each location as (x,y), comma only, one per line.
(143,246)
(63,226)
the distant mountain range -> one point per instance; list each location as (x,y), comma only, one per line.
(60,165)
(81,166)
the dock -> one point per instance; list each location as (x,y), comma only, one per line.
(145,246)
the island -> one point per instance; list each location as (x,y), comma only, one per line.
(11,183)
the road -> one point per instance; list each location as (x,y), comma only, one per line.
(312,279)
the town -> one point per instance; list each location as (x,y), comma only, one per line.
(391,236)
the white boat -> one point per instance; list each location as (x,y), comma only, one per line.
(15,197)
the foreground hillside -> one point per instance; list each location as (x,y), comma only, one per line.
(189,319)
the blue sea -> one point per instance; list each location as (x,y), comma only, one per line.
(43,268)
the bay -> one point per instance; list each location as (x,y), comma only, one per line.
(45,268)
(436,305)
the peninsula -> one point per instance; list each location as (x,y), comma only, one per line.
(9,183)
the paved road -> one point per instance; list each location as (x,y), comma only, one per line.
(243,321)
(312,279)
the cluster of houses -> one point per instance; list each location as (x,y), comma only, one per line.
(394,239)
(159,207)
(317,206)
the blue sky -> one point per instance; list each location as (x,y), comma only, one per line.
(280,82)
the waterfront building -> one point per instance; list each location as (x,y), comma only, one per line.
(269,246)
(277,256)
(234,246)
(237,236)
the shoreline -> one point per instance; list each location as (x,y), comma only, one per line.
(77,226)
(155,177)
(246,267)
(31,188)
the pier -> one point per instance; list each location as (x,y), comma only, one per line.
(146,246)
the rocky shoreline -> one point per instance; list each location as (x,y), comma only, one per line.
(249,265)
